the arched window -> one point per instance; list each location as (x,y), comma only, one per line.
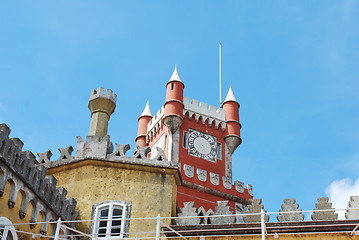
(7,230)
(110,216)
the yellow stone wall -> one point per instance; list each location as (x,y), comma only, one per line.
(150,190)
(13,215)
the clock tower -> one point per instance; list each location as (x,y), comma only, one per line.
(201,138)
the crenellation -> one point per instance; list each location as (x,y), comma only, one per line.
(239,186)
(188,210)
(4,131)
(353,214)
(24,166)
(44,157)
(223,208)
(155,123)
(290,211)
(324,204)
(255,207)
(99,93)
(250,189)
(121,150)
(65,153)
(95,146)
(203,109)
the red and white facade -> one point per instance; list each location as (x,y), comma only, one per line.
(201,139)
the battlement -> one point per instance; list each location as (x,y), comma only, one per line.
(210,114)
(217,181)
(100,93)
(289,212)
(203,109)
(29,176)
(155,123)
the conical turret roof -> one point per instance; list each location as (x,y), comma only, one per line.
(230,96)
(147,111)
(175,76)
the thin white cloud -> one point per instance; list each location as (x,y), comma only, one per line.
(339,193)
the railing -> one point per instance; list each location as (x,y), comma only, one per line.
(162,228)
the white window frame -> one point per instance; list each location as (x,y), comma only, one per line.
(8,228)
(111,205)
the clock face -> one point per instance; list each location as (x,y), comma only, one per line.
(202,145)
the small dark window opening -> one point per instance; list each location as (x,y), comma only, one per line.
(172,86)
(185,139)
(219,150)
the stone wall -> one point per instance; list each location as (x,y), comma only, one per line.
(289,212)
(24,174)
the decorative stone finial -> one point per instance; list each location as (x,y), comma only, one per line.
(223,208)
(121,149)
(324,204)
(65,153)
(101,105)
(255,207)
(188,210)
(353,214)
(44,157)
(290,206)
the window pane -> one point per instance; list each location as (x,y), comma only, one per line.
(102,232)
(104,213)
(103,224)
(117,212)
(116,223)
(9,236)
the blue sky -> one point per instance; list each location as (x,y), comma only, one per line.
(293,66)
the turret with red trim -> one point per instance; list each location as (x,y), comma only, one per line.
(231,108)
(143,121)
(174,103)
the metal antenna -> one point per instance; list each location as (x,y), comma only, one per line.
(220,73)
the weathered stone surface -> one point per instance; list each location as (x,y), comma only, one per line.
(121,149)
(44,157)
(223,208)
(65,153)
(202,175)
(150,193)
(101,105)
(142,152)
(29,178)
(189,210)
(227,182)
(353,214)
(205,214)
(250,189)
(232,142)
(239,186)
(214,178)
(290,206)
(188,170)
(254,207)
(160,156)
(240,208)
(94,147)
(324,204)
